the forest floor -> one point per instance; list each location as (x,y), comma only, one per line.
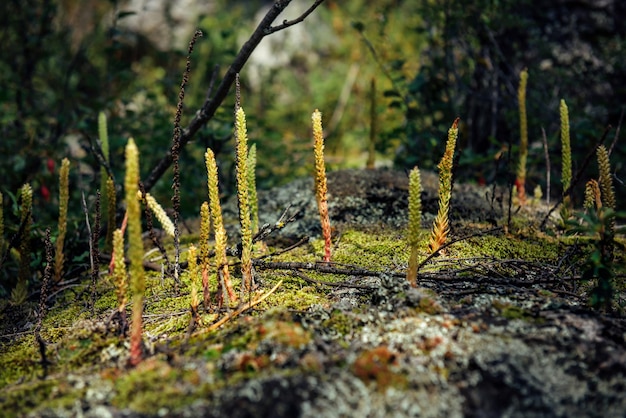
(498,325)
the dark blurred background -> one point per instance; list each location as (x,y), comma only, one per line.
(64,61)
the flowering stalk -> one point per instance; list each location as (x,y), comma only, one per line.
(110,208)
(566,150)
(159,212)
(441,225)
(120,276)
(320,181)
(243,198)
(20,292)
(205,229)
(592,195)
(63,202)
(135,250)
(371,146)
(566,155)
(254,200)
(193,276)
(608,195)
(107,187)
(605,180)
(520,181)
(223,282)
(415,216)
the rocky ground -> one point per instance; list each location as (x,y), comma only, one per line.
(479,337)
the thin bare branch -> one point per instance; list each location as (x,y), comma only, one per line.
(210,106)
(243,308)
(454,241)
(288,23)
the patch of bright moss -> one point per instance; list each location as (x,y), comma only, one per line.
(294,294)
(18,360)
(507,247)
(154,385)
(511,311)
(369,249)
(36,393)
(340,322)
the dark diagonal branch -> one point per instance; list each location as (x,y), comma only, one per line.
(210,106)
(287,23)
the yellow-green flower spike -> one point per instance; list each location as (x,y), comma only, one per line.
(592,195)
(606,181)
(105,189)
(218,226)
(111,202)
(415,216)
(20,292)
(254,200)
(441,225)
(193,276)
(135,250)
(26,206)
(243,198)
(371,146)
(103,134)
(63,204)
(321,189)
(566,151)
(520,182)
(608,200)
(205,231)
(566,157)
(159,213)
(119,270)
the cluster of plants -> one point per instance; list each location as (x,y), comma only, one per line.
(210,270)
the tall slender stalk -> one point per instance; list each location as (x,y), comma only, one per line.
(566,163)
(63,203)
(243,198)
(20,291)
(441,225)
(254,200)
(205,230)
(107,186)
(135,250)
(520,181)
(415,217)
(320,182)
(223,275)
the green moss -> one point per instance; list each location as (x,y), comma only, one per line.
(294,294)
(77,339)
(18,360)
(369,249)
(35,393)
(154,385)
(507,247)
(510,311)
(340,322)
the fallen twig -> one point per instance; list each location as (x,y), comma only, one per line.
(243,308)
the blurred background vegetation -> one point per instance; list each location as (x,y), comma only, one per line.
(63,61)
